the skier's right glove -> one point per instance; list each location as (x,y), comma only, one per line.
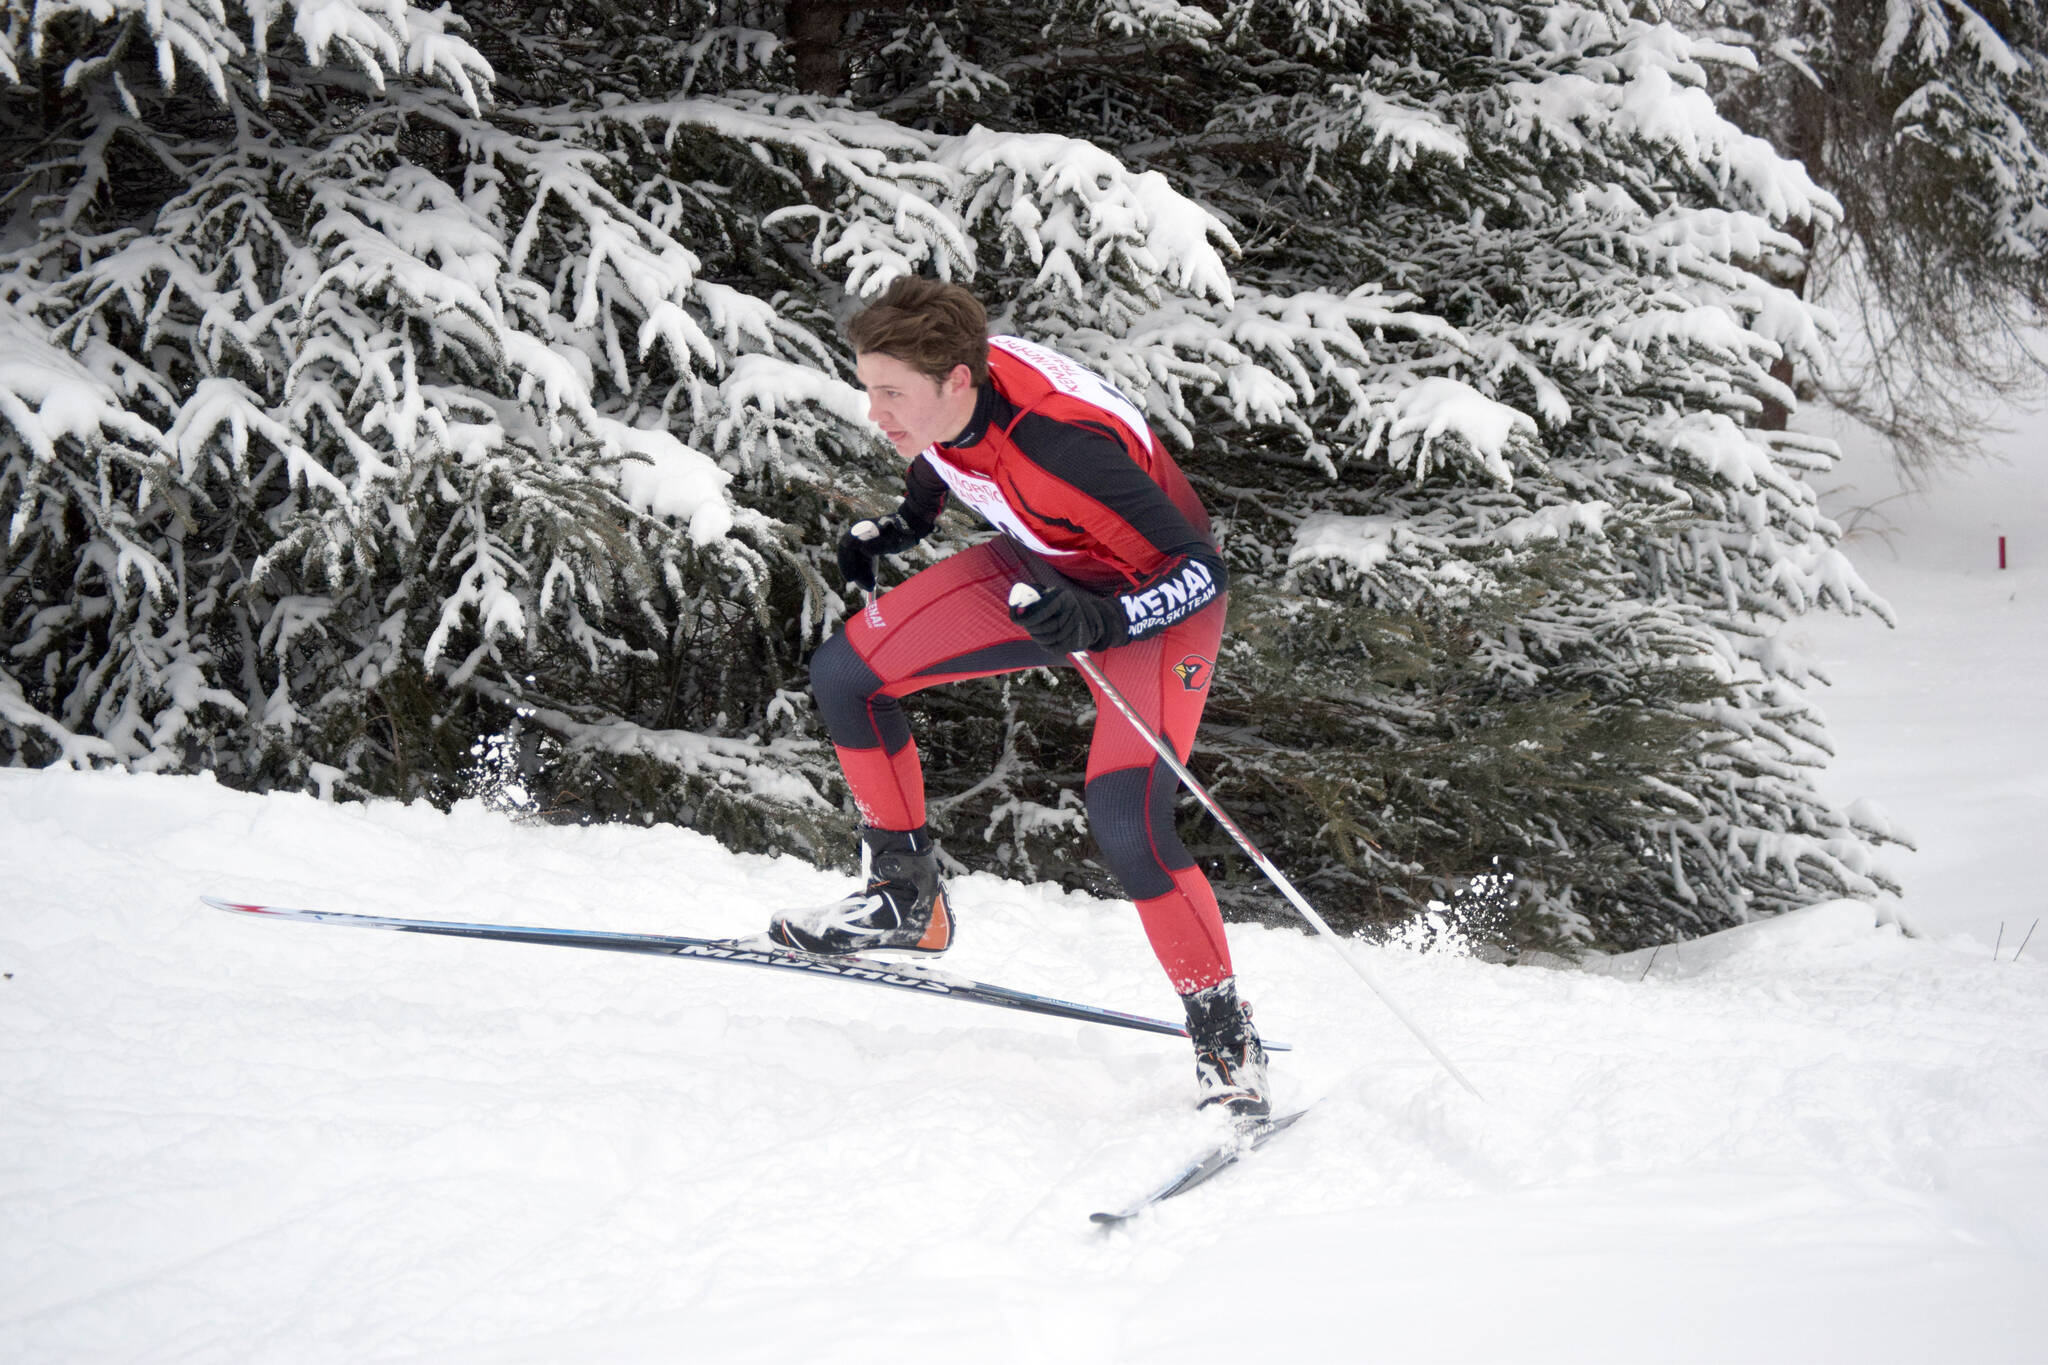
(864,541)
(1065,619)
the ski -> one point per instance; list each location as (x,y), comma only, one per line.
(1250,1135)
(750,952)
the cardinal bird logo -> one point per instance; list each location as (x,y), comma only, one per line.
(1194,672)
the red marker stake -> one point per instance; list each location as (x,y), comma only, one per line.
(2001,552)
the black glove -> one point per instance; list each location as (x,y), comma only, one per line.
(858,548)
(1066,619)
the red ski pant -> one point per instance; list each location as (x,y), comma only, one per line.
(952,621)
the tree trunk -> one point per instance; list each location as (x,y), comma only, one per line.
(1803,136)
(817,43)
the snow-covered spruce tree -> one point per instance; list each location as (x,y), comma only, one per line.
(1478,406)
(378,378)
(1928,122)
(347,406)
(385,375)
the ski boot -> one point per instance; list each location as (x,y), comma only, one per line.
(1230,1062)
(903,909)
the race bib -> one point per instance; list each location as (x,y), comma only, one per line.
(985,497)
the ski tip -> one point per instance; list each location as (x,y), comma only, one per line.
(239,907)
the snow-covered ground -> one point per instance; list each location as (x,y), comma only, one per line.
(1811,1140)
(1944,721)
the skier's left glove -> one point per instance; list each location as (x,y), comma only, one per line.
(1066,619)
(867,541)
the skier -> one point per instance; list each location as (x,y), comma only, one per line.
(1098,520)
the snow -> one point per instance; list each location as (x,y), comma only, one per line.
(1362,542)
(1943,722)
(376,34)
(1431,408)
(1412,131)
(1812,1139)
(1163,232)
(48,396)
(670,479)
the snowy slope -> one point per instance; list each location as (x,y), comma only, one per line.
(1944,721)
(1809,1140)
(228,1140)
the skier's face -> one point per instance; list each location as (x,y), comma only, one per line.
(913,409)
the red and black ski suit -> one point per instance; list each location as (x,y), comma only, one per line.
(1064,466)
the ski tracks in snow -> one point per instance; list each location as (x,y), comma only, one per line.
(236,1141)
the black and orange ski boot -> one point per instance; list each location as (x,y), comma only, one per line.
(1230,1062)
(903,910)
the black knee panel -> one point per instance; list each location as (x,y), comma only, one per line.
(849,696)
(1130,812)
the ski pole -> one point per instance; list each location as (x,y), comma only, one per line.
(866,530)
(1023,595)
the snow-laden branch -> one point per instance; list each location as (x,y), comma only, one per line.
(202,38)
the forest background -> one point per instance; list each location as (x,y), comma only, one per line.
(411,402)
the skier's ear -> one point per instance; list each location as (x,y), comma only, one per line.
(958,380)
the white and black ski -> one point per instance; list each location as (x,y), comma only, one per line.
(750,952)
(1250,1135)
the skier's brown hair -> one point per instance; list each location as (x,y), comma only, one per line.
(928,325)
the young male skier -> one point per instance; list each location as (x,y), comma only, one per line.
(1100,522)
